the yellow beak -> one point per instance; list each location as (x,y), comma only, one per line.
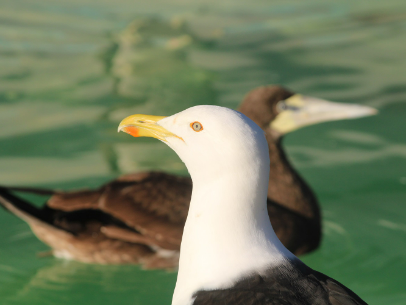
(142,125)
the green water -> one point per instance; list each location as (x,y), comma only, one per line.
(71,70)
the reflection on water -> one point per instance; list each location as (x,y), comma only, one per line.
(71,70)
(63,282)
(360,148)
(149,61)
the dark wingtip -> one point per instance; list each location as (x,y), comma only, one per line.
(17,205)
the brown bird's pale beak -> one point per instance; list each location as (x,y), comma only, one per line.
(299,111)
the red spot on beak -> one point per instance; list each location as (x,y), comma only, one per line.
(134,131)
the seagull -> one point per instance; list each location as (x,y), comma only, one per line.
(230,253)
(139,217)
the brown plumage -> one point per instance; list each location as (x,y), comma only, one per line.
(139,218)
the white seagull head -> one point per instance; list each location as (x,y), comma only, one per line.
(210,140)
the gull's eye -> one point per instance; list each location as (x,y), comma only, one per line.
(281,106)
(196,126)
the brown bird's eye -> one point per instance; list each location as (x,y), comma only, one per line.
(196,126)
(281,106)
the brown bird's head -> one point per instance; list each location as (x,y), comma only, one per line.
(281,111)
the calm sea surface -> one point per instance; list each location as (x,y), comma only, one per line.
(71,70)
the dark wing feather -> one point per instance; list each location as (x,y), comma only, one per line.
(154,204)
(80,234)
(163,195)
(337,292)
(291,284)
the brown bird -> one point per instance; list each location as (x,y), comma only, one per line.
(139,218)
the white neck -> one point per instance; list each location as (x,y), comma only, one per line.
(227,233)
